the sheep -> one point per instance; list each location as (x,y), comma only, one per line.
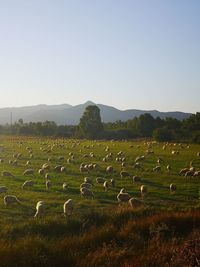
(137,165)
(63,169)
(124,174)
(68,208)
(7,174)
(197,173)
(184,170)
(40,208)
(28,183)
(169,167)
(84,169)
(135,203)
(28,172)
(86,185)
(41,171)
(58,168)
(65,186)
(85,192)
(156,169)
(105,185)
(172,188)
(3,189)
(109,169)
(48,184)
(47,176)
(88,180)
(46,166)
(189,173)
(10,199)
(122,196)
(112,181)
(143,190)
(136,179)
(100,180)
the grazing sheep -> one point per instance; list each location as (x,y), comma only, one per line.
(88,180)
(137,165)
(85,192)
(109,169)
(46,166)
(87,185)
(198,154)
(3,189)
(47,176)
(157,169)
(28,172)
(65,186)
(63,169)
(84,169)
(189,173)
(143,190)
(122,196)
(6,173)
(28,183)
(41,171)
(135,203)
(40,208)
(68,208)
(58,168)
(48,184)
(183,171)
(124,174)
(169,167)
(197,173)
(112,181)
(10,199)
(136,179)
(106,185)
(172,188)
(100,180)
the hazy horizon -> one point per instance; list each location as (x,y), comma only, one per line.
(127,54)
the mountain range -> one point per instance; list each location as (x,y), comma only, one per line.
(68,114)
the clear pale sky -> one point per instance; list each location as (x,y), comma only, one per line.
(125,53)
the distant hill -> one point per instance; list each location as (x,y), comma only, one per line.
(68,114)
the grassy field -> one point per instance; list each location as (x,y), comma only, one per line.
(100,233)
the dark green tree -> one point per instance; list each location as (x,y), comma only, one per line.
(90,125)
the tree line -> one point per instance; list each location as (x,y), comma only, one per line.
(91,127)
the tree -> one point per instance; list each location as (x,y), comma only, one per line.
(145,125)
(90,125)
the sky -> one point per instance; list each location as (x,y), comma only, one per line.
(138,54)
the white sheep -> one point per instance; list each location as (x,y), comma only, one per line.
(3,189)
(157,169)
(172,188)
(122,196)
(65,186)
(28,172)
(41,171)
(109,169)
(112,181)
(68,208)
(40,208)
(135,203)
(85,192)
(28,183)
(48,184)
(100,180)
(10,199)
(106,185)
(124,174)
(6,173)
(88,180)
(143,190)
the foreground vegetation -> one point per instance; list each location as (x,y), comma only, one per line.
(163,232)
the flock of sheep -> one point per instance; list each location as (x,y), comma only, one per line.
(88,183)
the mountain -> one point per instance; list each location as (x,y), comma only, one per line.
(68,114)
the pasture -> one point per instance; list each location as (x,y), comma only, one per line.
(18,154)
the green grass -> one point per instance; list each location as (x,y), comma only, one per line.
(97,224)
